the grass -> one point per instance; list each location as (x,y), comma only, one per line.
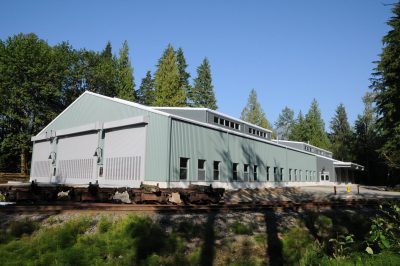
(315,239)
(241,229)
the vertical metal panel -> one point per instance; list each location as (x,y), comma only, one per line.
(326,165)
(40,161)
(91,108)
(197,142)
(124,153)
(75,161)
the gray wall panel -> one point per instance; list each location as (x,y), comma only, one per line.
(197,142)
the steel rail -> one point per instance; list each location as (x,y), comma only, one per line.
(60,207)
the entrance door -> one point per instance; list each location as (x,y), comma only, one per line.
(324,177)
(41,163)
(76,163)
(124,156)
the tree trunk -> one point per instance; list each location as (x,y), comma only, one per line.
(23,162)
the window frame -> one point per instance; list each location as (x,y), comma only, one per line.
(235,172)
(216,172)
(185,169)
(246,172)
(203,170)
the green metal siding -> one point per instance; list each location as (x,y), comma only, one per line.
(198,142)
(91,108)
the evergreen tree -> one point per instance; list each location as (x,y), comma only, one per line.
(386,85)
(103,72)
(285,123)
(298,132)
(126,82)
(253,112)
(146,92)
(315,127)
(167,81)
(203,90)
(184,76)
(366,142)
(341,135)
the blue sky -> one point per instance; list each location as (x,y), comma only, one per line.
(289,51)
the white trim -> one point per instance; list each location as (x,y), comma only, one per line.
(301,142)
(180,108)
(241,134)
(38,138)
(69,106)
(74,130)
(234,185)
(126,122)
(104,97)
(214,112)
(340,164)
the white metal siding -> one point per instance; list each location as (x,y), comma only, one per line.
(40,161)
(75,161)
(124,153)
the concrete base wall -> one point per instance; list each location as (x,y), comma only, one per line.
(240,185)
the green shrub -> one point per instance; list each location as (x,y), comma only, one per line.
(128,241)
(385,230)
(22,227)
(299,248)
(241,229)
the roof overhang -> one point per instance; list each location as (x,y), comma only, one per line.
(348,165)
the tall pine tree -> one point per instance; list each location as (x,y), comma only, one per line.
(167,81)
(285,123)
(146,91)
(386,85)
(366,142)
(298,132)
(203,90)
(103,72)
(341,135)
(315,127)
(126,82)
(184,75)
(253,112)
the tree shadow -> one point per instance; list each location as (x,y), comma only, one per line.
(207,255)
(274,244)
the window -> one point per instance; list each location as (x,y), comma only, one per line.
(216,170)
(281,175)
(226,123)
(267,173)
(246,172)
(255,173)
(216,119)
(250,130)
(290,174)
(235,171)
(295,174)
(237,126)
(201,170)
(300,175)
(221,121)
(183,168)
(275,173)
(254,131)
(306,175)
(232,125)
(326,177)
(322,177)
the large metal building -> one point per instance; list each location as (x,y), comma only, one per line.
(114,142)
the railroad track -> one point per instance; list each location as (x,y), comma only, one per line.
(61,207)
